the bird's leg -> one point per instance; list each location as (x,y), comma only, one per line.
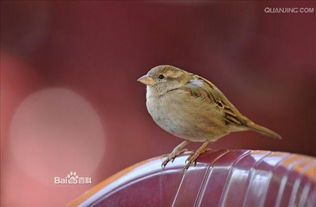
(202,149)
(179,149)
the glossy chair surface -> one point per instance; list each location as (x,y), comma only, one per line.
(220,178)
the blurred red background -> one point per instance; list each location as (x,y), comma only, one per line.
(70,100)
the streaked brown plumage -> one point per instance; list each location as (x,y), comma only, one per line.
(191,107)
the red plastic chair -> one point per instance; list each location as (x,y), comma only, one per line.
(220,178)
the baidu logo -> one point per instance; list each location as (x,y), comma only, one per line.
(72,178)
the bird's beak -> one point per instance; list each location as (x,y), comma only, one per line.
(146,80)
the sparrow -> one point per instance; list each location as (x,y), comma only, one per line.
(192,108)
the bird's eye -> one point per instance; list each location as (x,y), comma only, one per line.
(161,76)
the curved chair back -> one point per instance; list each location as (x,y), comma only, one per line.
(220,178)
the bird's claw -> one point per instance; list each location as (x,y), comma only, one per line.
(192,159)
(172,156)
(189,161)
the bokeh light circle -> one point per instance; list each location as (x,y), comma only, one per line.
(55,131)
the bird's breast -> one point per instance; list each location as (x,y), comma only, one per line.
(163,112)
(183,115)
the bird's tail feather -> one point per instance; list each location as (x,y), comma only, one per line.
(263,130)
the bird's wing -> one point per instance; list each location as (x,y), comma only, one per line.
(204,89)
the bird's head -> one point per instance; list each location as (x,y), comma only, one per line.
(164,78)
